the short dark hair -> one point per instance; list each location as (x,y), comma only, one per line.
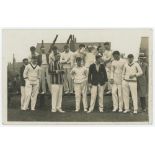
(32,48)
(98,56)
(116,53)
(66,46)
(78,59)
(130,56)
(106,43)
(25,59)
(81,45)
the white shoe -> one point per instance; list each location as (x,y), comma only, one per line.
(53,111)
(61,111)
(126,111)
(114,110)
(89,111)
(108,92)
(66,92)
(101,110)
(135,112)
(120,110)
(42,92)
(33,109)
(77,110)
(85,110)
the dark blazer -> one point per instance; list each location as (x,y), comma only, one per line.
(22,81)
(40,59)
(56,78)
(97,77)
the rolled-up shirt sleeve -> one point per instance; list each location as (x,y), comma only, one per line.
(25,73)
(72,73)
(123,72)
(62,60)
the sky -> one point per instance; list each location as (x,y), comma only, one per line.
(18,41)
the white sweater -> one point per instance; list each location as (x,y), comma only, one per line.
(116,70)
(89,59)
(66,59)
(79,74)
(32,73)
(131,69)
(107,58)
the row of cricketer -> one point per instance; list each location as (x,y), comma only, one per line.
(91,70)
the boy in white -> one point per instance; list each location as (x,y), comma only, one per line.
(107,58)
(130,73)
(31,75)
(116,81)
(65,60)
(79,75)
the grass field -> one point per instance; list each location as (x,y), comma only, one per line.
(44,114)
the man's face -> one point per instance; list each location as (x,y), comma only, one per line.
(78,62)
(57,57)
(82,49)
(55,51)
(25,62)
(116,56)
(100,50)
(130,60)
(32,50)
(67,49)
(107,47)
(98,60)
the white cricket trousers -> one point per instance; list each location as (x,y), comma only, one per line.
(31,92)
(81,88)
(97,90)
(68,82)
(56,91)
(22,89)
(45,76)
(129,86)
(117,96)
(108,71)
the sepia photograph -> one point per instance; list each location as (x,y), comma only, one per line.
(77,76)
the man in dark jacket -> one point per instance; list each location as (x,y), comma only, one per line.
(97,79)
(22,82)
(142,82)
